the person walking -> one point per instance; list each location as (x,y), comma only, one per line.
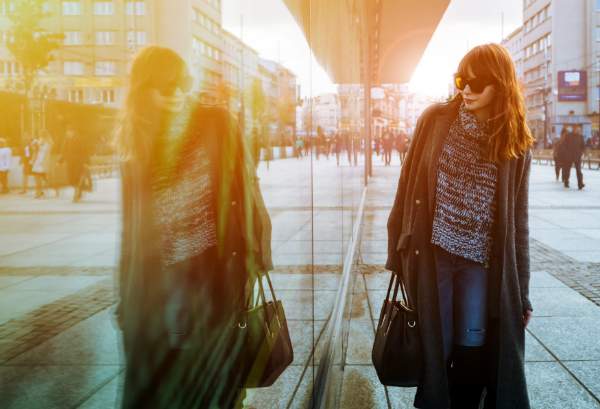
(458,237)
(75,153)
(194,229)
(387,143)
(558,154)
(42,162)
(573,147)
(29,150)
(5,164)
(402,145)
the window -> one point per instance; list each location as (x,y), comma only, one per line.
(6,7)
(104,8)
(597,33)
(107,96)
(71,8)
(135,8)
(72,38)
(73,68)
(105,37)
(75,95)
(597,5)
(106,68)
(136,38)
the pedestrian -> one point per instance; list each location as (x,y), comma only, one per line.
(402,145)
(5,164)
(337,146)
(29,150)
(387,144)
(573,146)
(299,146)
(75,153)
(356,146)
(194,229)
(558,153)
(458,237)
(42,162)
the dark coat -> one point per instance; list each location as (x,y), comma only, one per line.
(216,279)
(573,147)
(411,254)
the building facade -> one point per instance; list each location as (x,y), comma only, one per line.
(561,65)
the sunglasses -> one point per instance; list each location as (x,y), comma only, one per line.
(477,85)
(184,84)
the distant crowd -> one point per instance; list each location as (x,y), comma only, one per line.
(42,159)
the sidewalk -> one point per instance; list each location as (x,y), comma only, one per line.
(562,354)
(59,346)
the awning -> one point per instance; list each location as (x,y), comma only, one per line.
(395,33)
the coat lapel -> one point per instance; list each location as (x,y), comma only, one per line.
(438,136)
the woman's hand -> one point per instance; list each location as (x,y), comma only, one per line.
(527,317)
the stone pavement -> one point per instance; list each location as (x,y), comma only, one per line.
(562,350)
(60,348)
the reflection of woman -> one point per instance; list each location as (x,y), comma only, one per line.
(42,162)
(194,226)
(458,234)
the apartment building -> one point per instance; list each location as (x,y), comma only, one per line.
(514,44)
(102,36)
(561,64)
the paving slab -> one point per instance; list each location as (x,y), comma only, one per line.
(550,386)
(51,386)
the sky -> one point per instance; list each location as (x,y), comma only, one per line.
(270,29)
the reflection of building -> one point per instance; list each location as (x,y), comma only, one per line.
(412,106)
(326,112)
(102,36)
(561,46)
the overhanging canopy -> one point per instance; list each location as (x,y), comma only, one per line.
(394,33)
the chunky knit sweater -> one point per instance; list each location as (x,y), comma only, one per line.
(465,193)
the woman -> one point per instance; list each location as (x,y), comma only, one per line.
(42,162)
(458,235)
(194,227)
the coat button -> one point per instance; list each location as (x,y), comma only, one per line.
(233,203)
(417,252)
(418,201)
(234,253)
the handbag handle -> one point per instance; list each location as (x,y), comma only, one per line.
(399,285)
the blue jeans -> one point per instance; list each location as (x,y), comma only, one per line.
(462,286)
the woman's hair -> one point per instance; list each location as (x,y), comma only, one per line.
(153,68)
(510,136)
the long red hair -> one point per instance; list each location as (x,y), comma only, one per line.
(510,135)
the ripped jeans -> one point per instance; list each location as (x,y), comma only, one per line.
(462,286)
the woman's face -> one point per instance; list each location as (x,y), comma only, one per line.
(477,101)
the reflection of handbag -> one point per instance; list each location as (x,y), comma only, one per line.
(397,348)
(268,349)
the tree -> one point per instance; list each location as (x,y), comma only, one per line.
(29,44)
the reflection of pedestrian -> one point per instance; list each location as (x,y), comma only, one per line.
(75,153)
(5,164)
(29,151)
(464,263)
(337,146)
(573,146)
(42,162)
(194,229)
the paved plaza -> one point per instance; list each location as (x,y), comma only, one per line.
(60,348)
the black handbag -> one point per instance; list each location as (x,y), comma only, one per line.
(396,351)
(268,347)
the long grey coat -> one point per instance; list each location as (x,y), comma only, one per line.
(410,253)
